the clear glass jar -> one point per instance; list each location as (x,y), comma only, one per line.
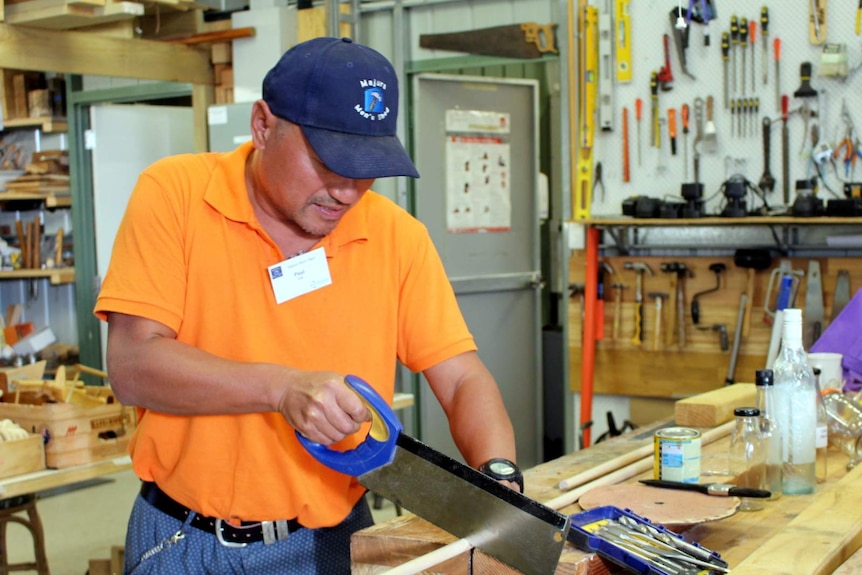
(845,425)
(747,457)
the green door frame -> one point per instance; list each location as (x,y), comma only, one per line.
(87,282)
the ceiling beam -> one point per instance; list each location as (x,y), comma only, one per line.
(86,53)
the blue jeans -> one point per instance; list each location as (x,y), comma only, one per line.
(157,543)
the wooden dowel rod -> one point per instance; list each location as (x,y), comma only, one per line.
(424,562)
(606,467)
(620,474)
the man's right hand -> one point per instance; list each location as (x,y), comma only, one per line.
(320,406)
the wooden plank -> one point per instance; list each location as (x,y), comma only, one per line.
(714,407)
(27,48)
(817,540)
(50,14)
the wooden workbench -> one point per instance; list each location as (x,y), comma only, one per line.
(794,534)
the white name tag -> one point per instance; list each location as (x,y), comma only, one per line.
(297,276)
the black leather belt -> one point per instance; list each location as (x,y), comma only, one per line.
(227,534)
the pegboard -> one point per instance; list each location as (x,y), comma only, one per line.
(660,174)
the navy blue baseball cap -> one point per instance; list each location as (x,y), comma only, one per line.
(344,96)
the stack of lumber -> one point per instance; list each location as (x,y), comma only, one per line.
(70,14)
(47,174)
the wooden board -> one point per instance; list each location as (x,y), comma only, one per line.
(817,540)
(667,507)
(714,407)
(21,456)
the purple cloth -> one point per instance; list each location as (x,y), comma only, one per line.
(844,336)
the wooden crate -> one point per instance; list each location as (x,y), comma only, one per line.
(22,456)
(76,435)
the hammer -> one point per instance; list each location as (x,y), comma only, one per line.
(618,304)
(658,297)
(682,272)
(640,268)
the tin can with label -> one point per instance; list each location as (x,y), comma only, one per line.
(677,454)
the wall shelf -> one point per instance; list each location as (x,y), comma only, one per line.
(57,276)
(47,124)
(51,199)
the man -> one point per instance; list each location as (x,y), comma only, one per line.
(242,288)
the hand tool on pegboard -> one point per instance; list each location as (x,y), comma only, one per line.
(767,180)
(640,268)
(605,269)
(400,468)
(859,19)
(743,45)
(752,37)
(786,294)
(813,314)
(588,68)
(684,114)
(710,133)
(654,111)
(841,295)
(732,117)
(680,42)
(764,32)
(665,73)
(817,22)
(744,303)
(725,58)
(623,41)
(618,307)
(626,164)
(734,47)
(785,150)
(671,129)
(681,271)
(718,269)
(776,54)
(639,110)
(606,67)
(659,318)
(751,260)
(698,135)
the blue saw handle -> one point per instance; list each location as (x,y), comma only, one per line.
(784,293)
(377,450)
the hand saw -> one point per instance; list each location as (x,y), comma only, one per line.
(455,497)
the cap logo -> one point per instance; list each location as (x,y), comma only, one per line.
(374,106)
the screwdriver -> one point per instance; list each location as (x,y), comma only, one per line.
(743,43)
(671,129)
(734,40)
(752,33)
(685,139)
(776,47)
(725,56)
(764,31)
(859,19)
(732,114)
(639,108)
(626,170)
(656,132)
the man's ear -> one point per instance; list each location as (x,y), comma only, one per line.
(262,121)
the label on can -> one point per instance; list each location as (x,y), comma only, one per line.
(677,454)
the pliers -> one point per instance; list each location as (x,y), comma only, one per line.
(597,181)
(851,152)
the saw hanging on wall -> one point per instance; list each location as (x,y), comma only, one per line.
(525,40)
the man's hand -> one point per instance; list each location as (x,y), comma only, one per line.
(322,407)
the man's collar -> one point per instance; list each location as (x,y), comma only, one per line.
(228,195)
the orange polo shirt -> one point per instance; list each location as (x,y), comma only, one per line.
(191,255)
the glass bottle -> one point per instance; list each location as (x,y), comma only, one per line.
(763,380)
(795,408)
(747,454)
(845,425)
(822,442)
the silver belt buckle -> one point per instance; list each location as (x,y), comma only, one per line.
(274,531)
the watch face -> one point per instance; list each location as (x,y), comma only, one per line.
(502,468)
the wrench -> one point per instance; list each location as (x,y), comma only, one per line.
(767,180)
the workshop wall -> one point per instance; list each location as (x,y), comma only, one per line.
(660,174)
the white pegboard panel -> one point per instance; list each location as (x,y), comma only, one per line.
(662,174)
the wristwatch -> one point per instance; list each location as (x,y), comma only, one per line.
(503,470)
